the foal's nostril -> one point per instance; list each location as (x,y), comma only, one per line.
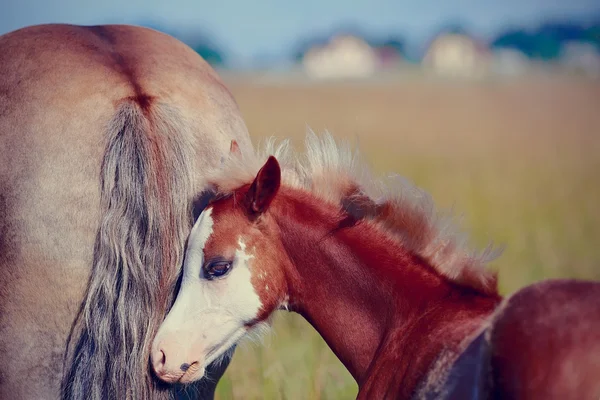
(159,361)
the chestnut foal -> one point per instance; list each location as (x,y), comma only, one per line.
(399,300)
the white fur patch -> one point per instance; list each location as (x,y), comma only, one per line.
(209,316)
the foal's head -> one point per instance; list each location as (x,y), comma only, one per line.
(232,280)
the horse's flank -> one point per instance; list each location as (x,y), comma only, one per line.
(109,132)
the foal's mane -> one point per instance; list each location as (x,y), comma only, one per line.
(335,173)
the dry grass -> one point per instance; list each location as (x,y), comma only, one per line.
(519,160)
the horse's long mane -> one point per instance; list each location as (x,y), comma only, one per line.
(146,187)
(335,173)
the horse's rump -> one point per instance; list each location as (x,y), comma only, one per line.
(106,134)
(545,342)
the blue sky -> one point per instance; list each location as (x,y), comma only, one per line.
(245,28)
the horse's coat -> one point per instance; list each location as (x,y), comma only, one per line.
(106,135)
(405,306)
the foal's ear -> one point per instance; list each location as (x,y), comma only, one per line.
(265,187)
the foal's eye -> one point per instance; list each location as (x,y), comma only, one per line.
(216,269)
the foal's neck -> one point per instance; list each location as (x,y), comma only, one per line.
(384,312)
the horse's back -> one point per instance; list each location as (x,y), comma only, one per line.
(545,342)
(56,78)
(60,87)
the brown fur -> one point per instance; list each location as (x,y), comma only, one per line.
(546,342)
(334,173)
(81,108)
(401,325)
(384,311)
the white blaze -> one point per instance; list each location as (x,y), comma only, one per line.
(210,315)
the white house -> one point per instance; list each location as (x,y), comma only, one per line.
(509,62)
(581,57)
(457,55)
(345,56)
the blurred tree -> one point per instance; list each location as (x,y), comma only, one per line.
(552,36)
(563,31)
(210,54)
(515,39)
(547,45)
(399,45)
(197,40)
(593,35)
(453,28)
(546,42)
(204,45)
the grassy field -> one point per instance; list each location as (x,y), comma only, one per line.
(520,160)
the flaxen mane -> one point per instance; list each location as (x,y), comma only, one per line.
(335,173)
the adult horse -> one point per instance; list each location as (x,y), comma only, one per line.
(106,134)
(398,298)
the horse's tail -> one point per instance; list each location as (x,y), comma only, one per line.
(146,188)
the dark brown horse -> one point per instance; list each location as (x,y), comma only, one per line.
(392,289)
(106,135)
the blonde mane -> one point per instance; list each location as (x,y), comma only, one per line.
(333,172)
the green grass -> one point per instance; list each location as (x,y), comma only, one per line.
(519,160)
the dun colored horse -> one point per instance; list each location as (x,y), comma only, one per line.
(383,278)
(106,136)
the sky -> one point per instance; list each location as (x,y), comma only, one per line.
(244,29)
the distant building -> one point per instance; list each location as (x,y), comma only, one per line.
(582,57)
(509,62)
(210,54)
(457,55)
(345,56)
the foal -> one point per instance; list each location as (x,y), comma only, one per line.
(399,300)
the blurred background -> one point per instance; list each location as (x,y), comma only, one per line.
(491,106)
